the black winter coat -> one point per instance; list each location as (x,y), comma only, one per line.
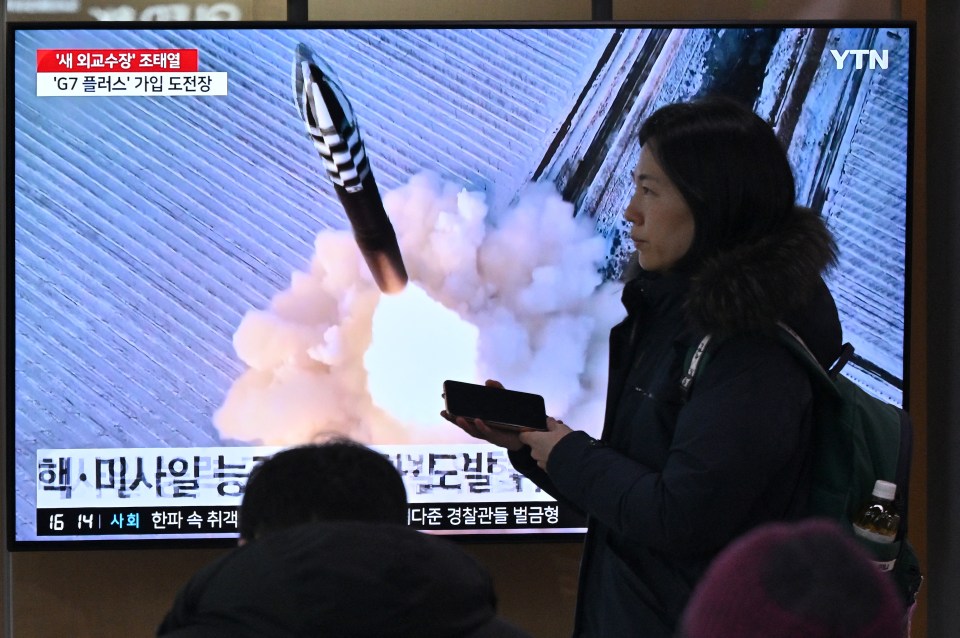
(337,579)
(671,482)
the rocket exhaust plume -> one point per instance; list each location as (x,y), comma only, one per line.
(332,125)
(486,302)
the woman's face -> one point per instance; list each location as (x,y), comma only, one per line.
(662,221)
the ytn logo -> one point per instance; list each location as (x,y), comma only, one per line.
(870,58)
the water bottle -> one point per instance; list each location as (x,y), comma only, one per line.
(878,519)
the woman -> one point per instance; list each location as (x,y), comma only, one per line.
(721,249)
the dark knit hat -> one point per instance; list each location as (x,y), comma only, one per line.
(808,579)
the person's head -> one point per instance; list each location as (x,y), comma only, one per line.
(806,579)
(339,480)
(712,175)
(342,579)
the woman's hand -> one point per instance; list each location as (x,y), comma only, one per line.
(541,443)
(480,430)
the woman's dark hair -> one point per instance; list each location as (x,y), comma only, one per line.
(730,168)
(339,480)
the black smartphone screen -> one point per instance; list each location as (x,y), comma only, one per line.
(495,406)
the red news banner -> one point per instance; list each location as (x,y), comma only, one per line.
(114,60)
(118,72)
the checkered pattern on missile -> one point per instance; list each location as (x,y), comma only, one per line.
(345,160)
(341,148)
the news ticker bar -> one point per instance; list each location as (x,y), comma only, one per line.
(131,84)
(468,473)
(205,521)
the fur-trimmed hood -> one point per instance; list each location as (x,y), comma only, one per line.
(751,287)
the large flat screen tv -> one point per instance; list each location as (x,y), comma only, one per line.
(198,272)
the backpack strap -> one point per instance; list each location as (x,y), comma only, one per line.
(694,359)
(825,378)
(846,354)
(801,343)
(699,355)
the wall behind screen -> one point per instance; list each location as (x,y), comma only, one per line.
(125,593)
(943,372)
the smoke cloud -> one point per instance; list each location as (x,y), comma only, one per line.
(513,295)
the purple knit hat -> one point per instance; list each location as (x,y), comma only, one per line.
(794,580)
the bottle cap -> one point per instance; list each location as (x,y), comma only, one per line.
(885,490)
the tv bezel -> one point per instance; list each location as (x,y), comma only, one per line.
(8,265)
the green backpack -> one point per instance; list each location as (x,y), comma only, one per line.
(858,439)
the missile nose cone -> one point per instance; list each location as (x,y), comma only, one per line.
(301,64)
(307,62)
(320,100)
(304,54)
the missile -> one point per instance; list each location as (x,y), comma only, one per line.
(332,126)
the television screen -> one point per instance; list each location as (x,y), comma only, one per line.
(227,240)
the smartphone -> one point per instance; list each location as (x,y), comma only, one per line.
(496,407)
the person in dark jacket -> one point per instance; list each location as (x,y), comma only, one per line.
(721,249)
(343,580)
(325,551)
